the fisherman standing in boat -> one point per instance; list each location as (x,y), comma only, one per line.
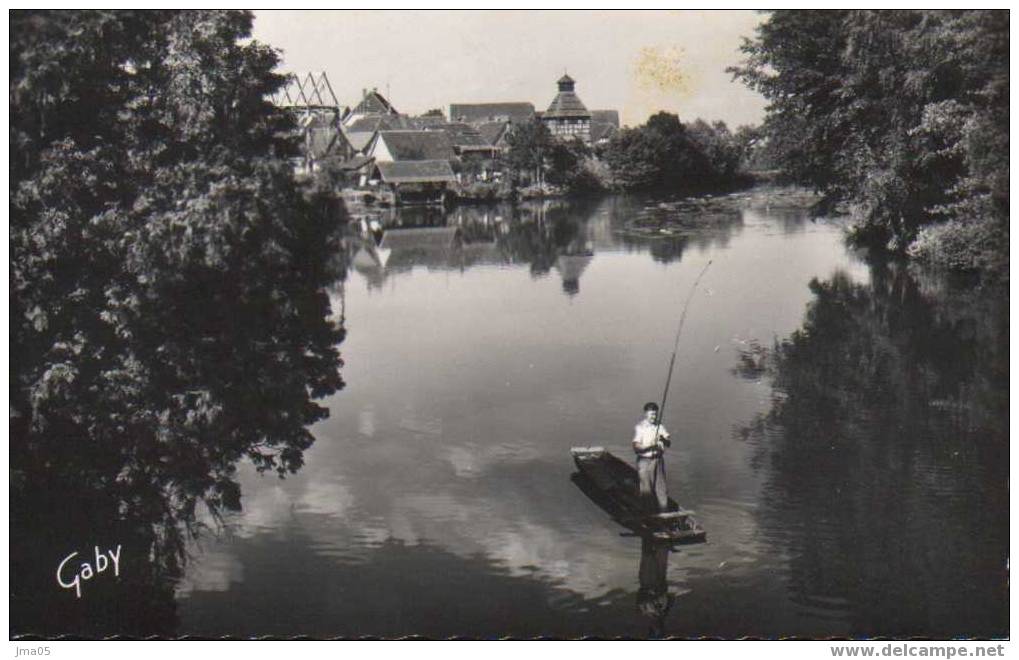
(649,442)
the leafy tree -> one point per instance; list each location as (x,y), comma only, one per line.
(903,113)
(718,146)
(536,154)
(567,166)
(634,156)
(752,145)
(167,308)
(804,48)
(529,147)
(665,153)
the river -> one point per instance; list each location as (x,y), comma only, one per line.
(839,424)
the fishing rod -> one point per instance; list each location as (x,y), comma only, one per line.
(675,348)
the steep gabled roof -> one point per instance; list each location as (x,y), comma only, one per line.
(418,145)
(464,135)
(372,123)
(493,131)
(360,140)
(602,130)
(486,112)
(416,171)
(373,103)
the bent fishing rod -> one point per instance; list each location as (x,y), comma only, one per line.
(675,348)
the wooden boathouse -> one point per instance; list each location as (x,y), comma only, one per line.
(414,181)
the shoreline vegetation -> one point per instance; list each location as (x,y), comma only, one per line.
(903,116)
(664,154)
(898,119)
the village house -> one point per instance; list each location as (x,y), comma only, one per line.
(467,140)
(480,113)
(362,132)
(567,117)
(493,123)
(495,133)
(412,165)
(372,103)
(476,155)
(610,117)
(371,143)
(390,146)
(604,124)
(373,113)
(414,181)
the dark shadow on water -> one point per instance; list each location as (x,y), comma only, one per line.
(136,448)
(885,452)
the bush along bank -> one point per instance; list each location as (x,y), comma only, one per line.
(663,154)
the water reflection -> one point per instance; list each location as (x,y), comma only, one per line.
(667,228)
(435,500)
(448,455)
(142,452)
(543,235)
(654,601)
(885,452)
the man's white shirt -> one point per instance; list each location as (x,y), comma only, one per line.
(644,436)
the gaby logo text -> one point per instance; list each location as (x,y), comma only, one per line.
(71,576)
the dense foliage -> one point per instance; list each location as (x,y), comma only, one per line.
(534,156)
(167,308)
(665,153)
(902,113)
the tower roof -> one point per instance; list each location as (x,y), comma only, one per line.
(566,103)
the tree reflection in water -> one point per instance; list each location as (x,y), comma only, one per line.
(544,235)
(886,450)
(132,451)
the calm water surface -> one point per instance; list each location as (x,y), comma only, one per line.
(840,427)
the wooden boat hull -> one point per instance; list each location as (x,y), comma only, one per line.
(612,484)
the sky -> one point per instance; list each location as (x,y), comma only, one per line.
(636,62)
